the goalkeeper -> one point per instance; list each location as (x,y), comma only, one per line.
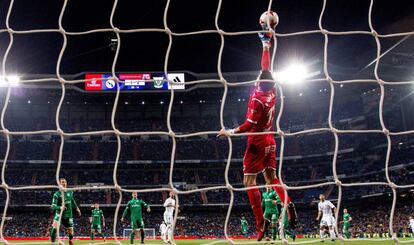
(65,209)
(133,210)
(97,221)
(270,201)
(260,155)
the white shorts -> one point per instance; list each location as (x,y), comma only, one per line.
(168,218)
(327,221)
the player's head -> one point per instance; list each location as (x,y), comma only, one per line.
(135,194)
(345,210)
(410,217)
(243,217)
(172,194)
(265,86)
(322,197)
(268,188)
(96,205)
(63,182)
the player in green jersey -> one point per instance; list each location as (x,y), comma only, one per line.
(244,226)
(285,227)
(346,223)
(97,221)
(65,209)
(270,200)
(133,211)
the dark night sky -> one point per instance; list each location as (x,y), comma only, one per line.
(37,53)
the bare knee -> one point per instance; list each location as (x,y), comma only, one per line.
(249,180)
(270,175)
(55,224)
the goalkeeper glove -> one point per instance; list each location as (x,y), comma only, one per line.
(229,131)
(225,132)
(265,36)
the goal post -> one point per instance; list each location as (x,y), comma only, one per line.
(149,233)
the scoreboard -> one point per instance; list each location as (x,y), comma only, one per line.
(134,81)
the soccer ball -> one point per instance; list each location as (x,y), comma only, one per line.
(269,20)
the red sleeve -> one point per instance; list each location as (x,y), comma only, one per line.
(254,115)
(265,59)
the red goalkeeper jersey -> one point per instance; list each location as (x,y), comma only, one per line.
(261,110)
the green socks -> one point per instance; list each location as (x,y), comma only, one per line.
(132,237)
(53,234)
(142,236)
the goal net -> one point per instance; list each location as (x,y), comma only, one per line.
(149,233)
(170,133)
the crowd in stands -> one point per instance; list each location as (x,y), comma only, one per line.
(199,161)
(368,220)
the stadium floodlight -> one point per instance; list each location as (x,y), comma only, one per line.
(293,74)
(12,81)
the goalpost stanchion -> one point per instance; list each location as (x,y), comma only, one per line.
(171,134)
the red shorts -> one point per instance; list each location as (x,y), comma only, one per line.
(259,156)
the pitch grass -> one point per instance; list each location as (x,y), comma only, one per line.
(223,242)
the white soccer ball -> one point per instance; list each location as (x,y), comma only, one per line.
(269,19)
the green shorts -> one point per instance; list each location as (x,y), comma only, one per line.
(244,231)
(346,226)
(137,224)
(274,219)
(270,216)
(96,227)
(65,221)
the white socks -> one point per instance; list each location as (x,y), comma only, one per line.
(332,233)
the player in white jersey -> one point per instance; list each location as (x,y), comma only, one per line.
(169,205)
(411,220)
(163,231)
(328,220)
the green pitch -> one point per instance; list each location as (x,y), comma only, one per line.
(223,242)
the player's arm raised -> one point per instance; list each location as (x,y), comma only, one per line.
(103,220)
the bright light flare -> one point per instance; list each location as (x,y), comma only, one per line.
(12,81)
(294,73)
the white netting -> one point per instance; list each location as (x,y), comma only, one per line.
(226,85)
(149,233)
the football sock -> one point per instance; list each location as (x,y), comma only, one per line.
(132,236)
(256,204)
(321,233)
(280,191)
(142,236)
(53,234)
(332,233)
